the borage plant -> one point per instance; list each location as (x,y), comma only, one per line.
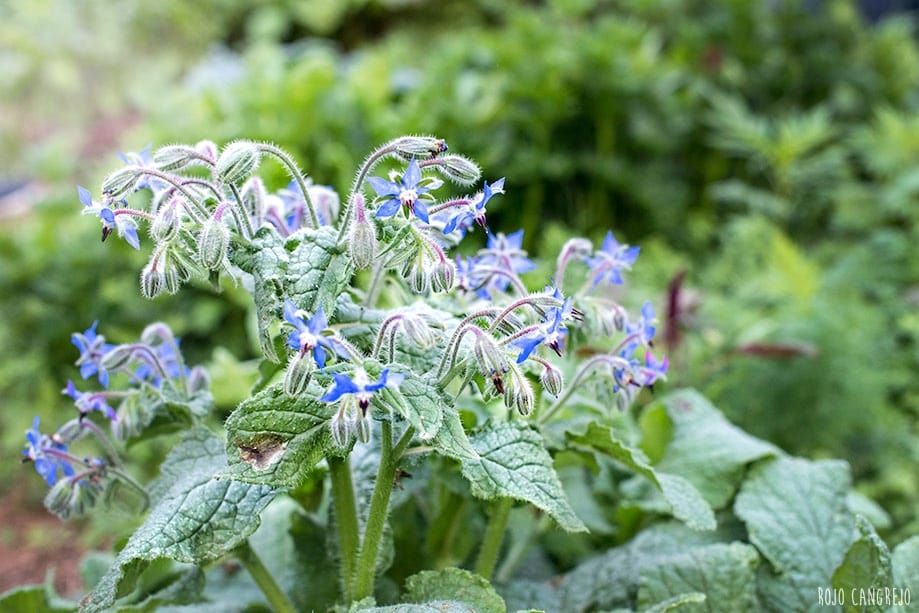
(392,372)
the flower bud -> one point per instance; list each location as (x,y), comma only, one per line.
(131,419)
(69,432)
(418,147)
(121,182)
(117,357)
(489,357)
(342,427)
(418,331)
(172,276)
(362,244)
(442,277)
(299,371)
(364,427)
(207,148)
(552,380)
(237,161)
(152,279)
(198,380)
(459,169)
(166,224)
(172,158)
(416,273)
(213,243)
(519,392)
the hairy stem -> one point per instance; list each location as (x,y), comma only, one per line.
(494,536)
(345,520)
(278,600)
(297,176)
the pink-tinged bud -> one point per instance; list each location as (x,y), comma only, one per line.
(552,380)
(238,161)
(442,277)
(198,380)
(213,244)
(152,278)
(121,182)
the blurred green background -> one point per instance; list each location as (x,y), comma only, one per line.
(765,154)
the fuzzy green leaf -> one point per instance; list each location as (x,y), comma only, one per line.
(451,440)
(435,606)
(195,517)
(275,439)
(797,516)
(685,501)
(683,602)
(514,463)
(865,567)
(308,267)
(419,400)
(906,565)
(724,573)
(32,599)
(457,583)
(612,579)
(706,449)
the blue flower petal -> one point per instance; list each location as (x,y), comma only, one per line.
(388,208)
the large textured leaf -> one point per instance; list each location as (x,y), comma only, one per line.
(797,516)
(435,606)
(706,449)
(451,440)
(723,573)
(612,580)
(308,267)
(32,599)
(195,518)
(865,567)
(514,463)
(906,567)
(455,583)
(685,501)
(275,439)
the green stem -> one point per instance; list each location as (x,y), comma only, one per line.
(494,536)
(272,591)
(379,509)
(297,176)
(345,520)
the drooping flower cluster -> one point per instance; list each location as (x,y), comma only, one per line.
(153,373)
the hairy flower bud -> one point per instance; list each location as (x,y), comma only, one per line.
(237,161)
(213,244)
(418,331)
(459,169)
(117,357)
(207,149)
(198,380)
(172,158)
(492,362)
(364,427)
(442,277)
(362,243)
(299,371)
(72,498)
(152,278)
(121,181)
(168,220)
(552,380)
(417,274)
(418,147)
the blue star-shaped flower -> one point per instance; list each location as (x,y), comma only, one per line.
(551,333)
(126,227)
(41,450)
(360,385)
(506,253)
(92,348)
(407,192)
(653,370)
(611,259)
(307,335)
(644,328)
(89,401)
(475,210)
